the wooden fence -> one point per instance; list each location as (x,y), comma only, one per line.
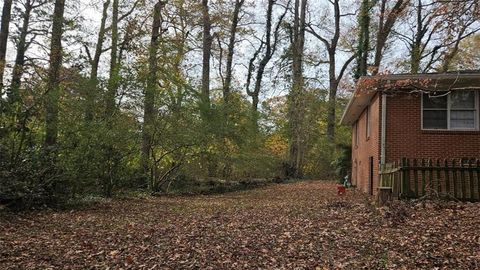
(446,178)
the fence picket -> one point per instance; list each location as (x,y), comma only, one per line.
(415,175)
(470,179)
(430,175)
(424,172)
(447,178)
(439,177)
(454,177)
(463,183)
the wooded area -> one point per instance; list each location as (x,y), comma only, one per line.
(102,97)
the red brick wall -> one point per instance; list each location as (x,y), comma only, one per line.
(366,147)
(405,137)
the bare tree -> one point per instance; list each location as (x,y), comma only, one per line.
(436,31)
(333,79)
(270,48)
(231,49)
(91,90)
(387,20)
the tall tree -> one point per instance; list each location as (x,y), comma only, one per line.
(333,79)
(270,48)
(22,47)
(387,20)
(467,14)
(363,39)
(433,29)
(91,90)
(206,51)
(296,95)
(150,91)
(53,81)
(231,49)
(114,66)
(4,28)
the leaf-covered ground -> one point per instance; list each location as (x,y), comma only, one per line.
(285,226)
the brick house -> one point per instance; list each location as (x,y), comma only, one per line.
(411,116)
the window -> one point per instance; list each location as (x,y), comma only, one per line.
(455,111)
(367,120)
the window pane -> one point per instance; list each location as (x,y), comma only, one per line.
(434,102)
(463,99)
(462,119)
(435,119)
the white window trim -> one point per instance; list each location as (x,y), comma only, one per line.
(449,104)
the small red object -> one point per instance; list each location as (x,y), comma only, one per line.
(341,190)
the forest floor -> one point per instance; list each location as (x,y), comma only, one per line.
(302,225)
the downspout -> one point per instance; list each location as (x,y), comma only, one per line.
(383,130)
(383,135)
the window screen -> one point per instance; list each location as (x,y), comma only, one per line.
(456,111)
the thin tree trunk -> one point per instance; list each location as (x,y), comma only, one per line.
(333,82)
(149,101)
(53,87)
(267,56)
(207,48)
(385,26)
(92,90)
(114,67)
(14,92)
(296,97)
(6,15)
(231,50)
(417,43)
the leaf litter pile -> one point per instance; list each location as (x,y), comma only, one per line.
(284,226)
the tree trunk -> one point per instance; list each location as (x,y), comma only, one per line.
(149,101)
(14,92)
(417,42)
(296,96)
(6,15)
(207,48)
(92,90)
(385,26)
(267,56)
(53,87)
(363,39)
(332,99)
(114,67)
(332,77)
(231,50)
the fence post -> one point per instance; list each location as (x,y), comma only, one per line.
(415,176)
(447,177)
(439,177)
(463,182)
(403,177)
(478,178)
(424,172)
(470,179)
(454,177)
